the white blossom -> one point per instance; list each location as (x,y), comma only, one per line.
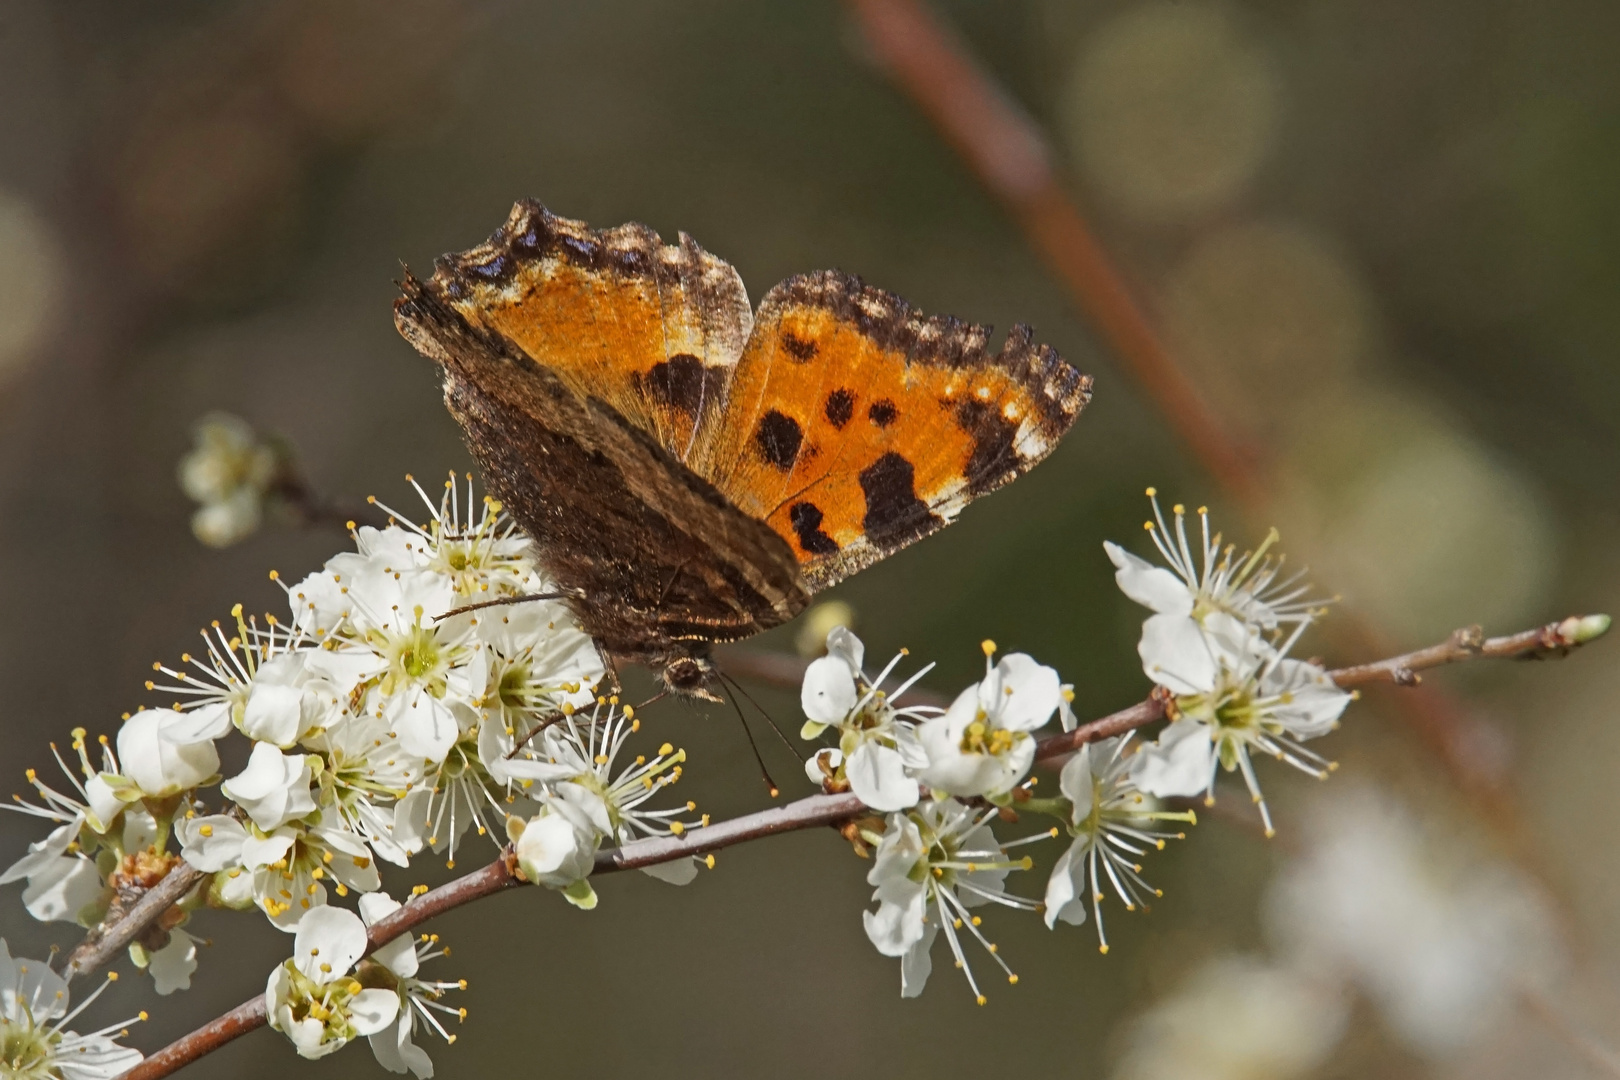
(1237,1018)
(1113,826)
(1235,695)
(34,1014)
(64,879)
(228,470)
(1247,587)
(60,886)
(269,682)
(152,767)
(1441,941)
(395,965)
(274,788)
(982,744)
(313,1000)
(571,774)
(933,863)
(878,754)
(557,847)
(282,872)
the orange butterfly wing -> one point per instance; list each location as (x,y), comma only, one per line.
(854,425)
(652,330)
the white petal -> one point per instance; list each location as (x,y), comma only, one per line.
(1030,693)
(829,690)
(678,872)
(274,714)
(274,788)
(1151,586)
(259,852)
(398,955)
(103,801)
(1177,654)
(172,965)
(877,776)
(219,848)
(843,644)
(41,853)
(210,722)
(896,926)
(1075,781)
(812,764)
(427,729)
(329,941)
(1066,888)
(1180,763)
(1315,704)
(157,766)
(917,964)
(372,1010)
(60,891)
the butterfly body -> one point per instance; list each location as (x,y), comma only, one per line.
(692,472)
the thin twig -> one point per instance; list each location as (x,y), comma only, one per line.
(1589,1049)
(104,942)
(1470,643)
(1554,638)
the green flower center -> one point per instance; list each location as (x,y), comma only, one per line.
(26,1050)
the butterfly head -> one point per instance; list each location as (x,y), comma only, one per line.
(688,674)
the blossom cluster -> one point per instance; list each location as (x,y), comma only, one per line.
(1217,645)
(393,710)
(429,685)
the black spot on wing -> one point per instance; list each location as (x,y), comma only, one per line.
(778,438)
(994,461)
(882,413)
(806,519)
(678,383)
(894,514)
(840,407)
(798,348)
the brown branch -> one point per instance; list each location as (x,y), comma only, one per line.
(1470,643)
(1553,639)
(102,943)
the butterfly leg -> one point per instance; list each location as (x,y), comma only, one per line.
(503,600)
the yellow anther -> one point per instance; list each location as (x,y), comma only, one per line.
(206,830)
(1013,979)
(982,999)
(708,860)
(676,828)
(1151,492)
(988,646)
(666,749)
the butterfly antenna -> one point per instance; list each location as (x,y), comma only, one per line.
(660,696)
(735,685)
(502,600)
(754,746)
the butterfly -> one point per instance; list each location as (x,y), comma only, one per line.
(691,470)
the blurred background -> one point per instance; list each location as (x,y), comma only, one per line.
(1382,237)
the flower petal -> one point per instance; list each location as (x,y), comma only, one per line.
(1151,586)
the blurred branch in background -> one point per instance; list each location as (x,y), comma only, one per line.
(1008,153)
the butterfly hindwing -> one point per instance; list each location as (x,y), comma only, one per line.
(855,425)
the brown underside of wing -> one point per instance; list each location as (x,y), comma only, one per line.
(652,330)
(855,425)
(654,552)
